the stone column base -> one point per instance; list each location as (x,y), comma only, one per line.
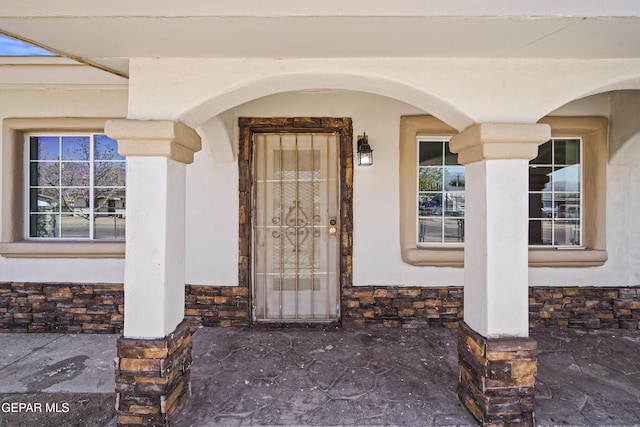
(497,377)
(153,377)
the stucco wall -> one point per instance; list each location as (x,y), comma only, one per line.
(212,207)
(377,261)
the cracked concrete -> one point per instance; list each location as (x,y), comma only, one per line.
(57,363)
(295,376)
(262,376)
(588,378)
(316,376)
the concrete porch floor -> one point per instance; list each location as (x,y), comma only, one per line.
(276,376)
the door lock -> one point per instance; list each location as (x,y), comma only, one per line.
(333,229)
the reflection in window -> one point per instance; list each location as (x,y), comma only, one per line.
(441,183)
(76,187)
(555,194)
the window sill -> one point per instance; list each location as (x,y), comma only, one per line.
(567,257)
(543,257)
(33,249)
(434,257)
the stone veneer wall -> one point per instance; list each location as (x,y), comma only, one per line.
(217,305)
(497,378)
(580,307)
(585,307)
(99,308)
(61,307)
(152,377)
(370,306)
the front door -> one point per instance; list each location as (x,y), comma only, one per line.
(295,227)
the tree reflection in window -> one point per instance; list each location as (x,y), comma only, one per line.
(76,187)
(441,184)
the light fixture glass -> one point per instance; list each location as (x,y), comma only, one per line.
(365,153)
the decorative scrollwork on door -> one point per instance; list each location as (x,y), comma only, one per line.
(296,225)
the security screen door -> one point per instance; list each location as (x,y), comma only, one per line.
(295,227)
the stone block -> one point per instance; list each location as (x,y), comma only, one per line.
(26,308)
(36,298)
(369,299)
(498,370)
(633,292)
(432,314)
(43,307)
(352,304)
(220,300)
(44,317)
(100,328)
(570,291)
(402,303)
(117,318)
(205,300)
(144,410)
(124,419)
(511,344)
(140,365)
(155,353)
(433,303)
(385,293)
(240,291)
(28,288)
(108,288)
(368,314)
(359,293)
(418,304)
(510,383)
(406,312)
(410,292)
(502,407)
(22,317)
(498,355)
(476,348)
(524,368)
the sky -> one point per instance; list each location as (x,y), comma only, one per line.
(13,47)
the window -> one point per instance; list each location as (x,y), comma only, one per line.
(429,219)
(76,207)
(76,187)
(555,189)
(567,194)
(440,193)
(576,157)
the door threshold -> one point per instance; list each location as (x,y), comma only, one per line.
(329,324)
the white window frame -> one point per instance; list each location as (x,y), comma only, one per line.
(92,188)
(553,192)
(443,244)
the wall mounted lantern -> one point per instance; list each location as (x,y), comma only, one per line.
(365,153)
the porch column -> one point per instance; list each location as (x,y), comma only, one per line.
(497,360)
(154,354)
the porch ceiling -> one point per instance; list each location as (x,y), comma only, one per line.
(109,33)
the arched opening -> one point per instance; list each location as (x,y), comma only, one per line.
(323,81)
